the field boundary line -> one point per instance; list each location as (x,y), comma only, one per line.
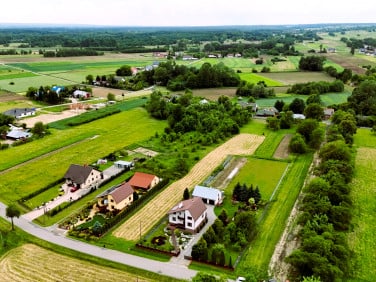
(46,155)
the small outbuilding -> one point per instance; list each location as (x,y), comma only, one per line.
(208,195)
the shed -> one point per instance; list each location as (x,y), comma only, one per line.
(208,195)
(123,164)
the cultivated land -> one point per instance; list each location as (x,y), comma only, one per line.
(32,263)
(242,144)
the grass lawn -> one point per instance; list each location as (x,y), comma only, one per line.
(259,253)
(112,133)
(255,78)
(362,239)
(256,172)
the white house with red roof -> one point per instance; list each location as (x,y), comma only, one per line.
(143,181)
(189,215)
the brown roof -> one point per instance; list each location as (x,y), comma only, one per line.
(195,206)
(122,192)
(78,173)
(141,180)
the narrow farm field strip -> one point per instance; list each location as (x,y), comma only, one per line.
(113,133)
(255,78)
(242,144)
(22,84)
(289,78)
(17,75)
(32,263)
(278,211)
(362,239)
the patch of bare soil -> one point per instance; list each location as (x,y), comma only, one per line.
(222,179)
(282,151)
(47,118)
(103,92)
(146,152)
(352,63)
(7,97)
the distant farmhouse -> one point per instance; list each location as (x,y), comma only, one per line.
(20,112)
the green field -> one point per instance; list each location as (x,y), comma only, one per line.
(111,133)
(289,78)
(327,99)
(255,78)
(362,239)
(273,223)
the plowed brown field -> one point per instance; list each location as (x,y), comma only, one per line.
(32,263)
(242,144)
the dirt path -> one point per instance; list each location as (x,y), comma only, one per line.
(145,218)
(282,151)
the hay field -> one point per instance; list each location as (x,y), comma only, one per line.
(242,144)
(32,263)
(362,240)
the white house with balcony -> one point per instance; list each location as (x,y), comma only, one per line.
(189,215)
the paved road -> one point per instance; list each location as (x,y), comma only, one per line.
(165,268)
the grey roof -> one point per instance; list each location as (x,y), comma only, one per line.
(16,112)
(78,173)
(18,134)
(124,163)
(207,193)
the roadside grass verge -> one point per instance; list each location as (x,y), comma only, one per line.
(111,133)
(19,238)
(273,222)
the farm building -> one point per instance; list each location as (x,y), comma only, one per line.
(328,113)
(116,197)
(298,116)
(18,134)
(208,195)
(123,164)
(83,177)
(81,94)
(57,89)
(189,215)
(267,112)
(143,181)
(20,112)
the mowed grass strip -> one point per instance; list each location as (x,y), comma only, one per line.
(146,217)
(255,78)
(272,225)
(33,263)
(112,133)
(362,239)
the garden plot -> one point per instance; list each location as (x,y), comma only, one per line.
(33,263)
(242,144)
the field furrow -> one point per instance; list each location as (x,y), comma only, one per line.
(145,218)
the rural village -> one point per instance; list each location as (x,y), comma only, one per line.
(243,159)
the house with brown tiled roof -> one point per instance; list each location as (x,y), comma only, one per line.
(143,181)
(116,197)
(189,215)
(81,177)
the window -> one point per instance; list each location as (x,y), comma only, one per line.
(173,218)
(189,224)
(189,217)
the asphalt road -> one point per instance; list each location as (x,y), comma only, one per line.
(164,268)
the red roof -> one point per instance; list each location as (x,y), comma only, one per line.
(141,180)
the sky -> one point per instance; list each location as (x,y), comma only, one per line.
(186,13)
